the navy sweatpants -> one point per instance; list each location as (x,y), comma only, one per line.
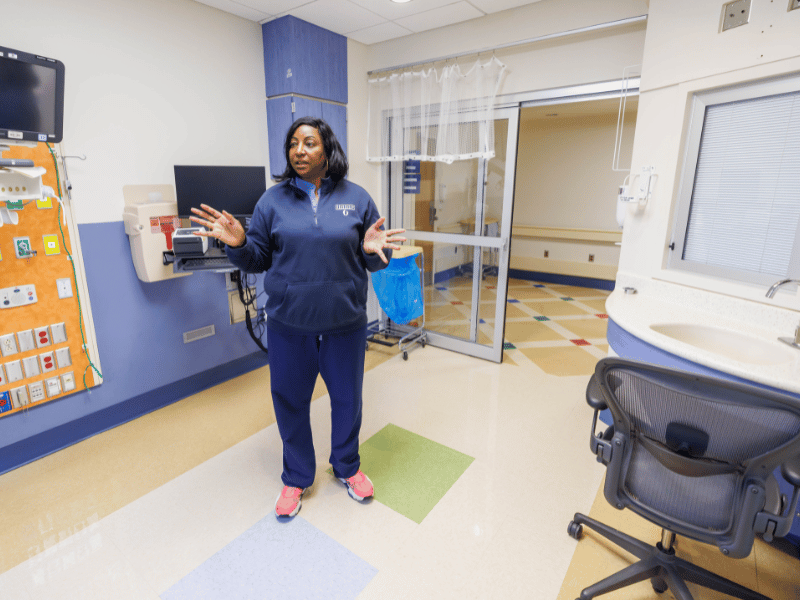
(294,363)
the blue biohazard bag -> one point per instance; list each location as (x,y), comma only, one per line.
(399,289)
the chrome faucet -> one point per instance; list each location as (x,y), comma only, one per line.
(770,293)
(774,287)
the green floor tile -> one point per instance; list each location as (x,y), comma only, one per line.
(410,473)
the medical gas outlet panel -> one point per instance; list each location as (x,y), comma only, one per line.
(36,366)
(46,337)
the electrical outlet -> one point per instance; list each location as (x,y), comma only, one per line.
(36,391)
(735,14)
(591,258)
(42,337)
(47,362)
(8,344)
(546,253)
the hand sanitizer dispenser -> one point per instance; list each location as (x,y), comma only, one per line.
(150,217)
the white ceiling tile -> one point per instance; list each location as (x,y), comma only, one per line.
(275,7)
(392,10)
(379,33)
(235,8)
(440,17)
(339,16)
(493,6)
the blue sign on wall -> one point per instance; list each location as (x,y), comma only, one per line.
(412,177)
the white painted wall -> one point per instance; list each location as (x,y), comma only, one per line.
(149,84)
(685,53)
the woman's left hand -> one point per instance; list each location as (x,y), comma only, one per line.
(376,239)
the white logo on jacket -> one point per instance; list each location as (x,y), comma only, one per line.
(345,207)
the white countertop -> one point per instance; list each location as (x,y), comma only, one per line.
(662,303)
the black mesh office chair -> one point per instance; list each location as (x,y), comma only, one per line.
(694,455)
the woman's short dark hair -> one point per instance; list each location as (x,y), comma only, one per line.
(337,160)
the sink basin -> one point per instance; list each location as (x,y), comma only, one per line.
(728,343)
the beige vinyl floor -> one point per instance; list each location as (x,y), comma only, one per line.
(481,467)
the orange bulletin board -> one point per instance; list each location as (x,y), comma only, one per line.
(43,343)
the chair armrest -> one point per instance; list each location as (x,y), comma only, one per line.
(595,396)
(791,471)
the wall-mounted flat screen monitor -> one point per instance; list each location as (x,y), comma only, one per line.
(31,97)
(235,189)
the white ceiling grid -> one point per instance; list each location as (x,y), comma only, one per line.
(368,21)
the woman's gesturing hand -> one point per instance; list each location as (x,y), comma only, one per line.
(223,225)
(376,239)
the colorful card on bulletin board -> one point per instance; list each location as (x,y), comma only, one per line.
(42,355)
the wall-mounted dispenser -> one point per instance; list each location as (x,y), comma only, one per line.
(150,217)
(637,193)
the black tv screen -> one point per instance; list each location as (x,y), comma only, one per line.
(235,189)
(31,97)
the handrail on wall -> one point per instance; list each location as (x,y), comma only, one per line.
(563,233)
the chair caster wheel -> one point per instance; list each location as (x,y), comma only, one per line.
(405,355)
(659,585)
(575,530)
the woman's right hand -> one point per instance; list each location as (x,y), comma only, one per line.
(222,225)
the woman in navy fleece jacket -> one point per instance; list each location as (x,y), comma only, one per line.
(315,235)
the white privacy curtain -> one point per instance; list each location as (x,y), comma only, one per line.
(434,116)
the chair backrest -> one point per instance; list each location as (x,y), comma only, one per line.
(693,453)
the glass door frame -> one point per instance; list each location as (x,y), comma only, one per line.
(476,240)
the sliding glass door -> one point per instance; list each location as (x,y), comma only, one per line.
(460,215)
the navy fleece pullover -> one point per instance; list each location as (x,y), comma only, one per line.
(316,270)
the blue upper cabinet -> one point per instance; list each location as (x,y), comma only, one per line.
(301,58)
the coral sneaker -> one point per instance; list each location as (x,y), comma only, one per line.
(358,486)
(288,503)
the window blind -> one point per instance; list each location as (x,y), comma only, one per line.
(745,205)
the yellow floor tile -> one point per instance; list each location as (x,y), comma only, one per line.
(599,306)
(556,308)
(530,331)
(465,294)
(577,292)
(524,293)
(590,329)
(444,312)
(562,361)
(487,311)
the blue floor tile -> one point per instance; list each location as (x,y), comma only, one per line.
(276,559)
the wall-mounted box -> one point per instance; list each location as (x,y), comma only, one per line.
(150,216)
(301,58)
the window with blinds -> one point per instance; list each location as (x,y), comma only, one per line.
(738,214)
